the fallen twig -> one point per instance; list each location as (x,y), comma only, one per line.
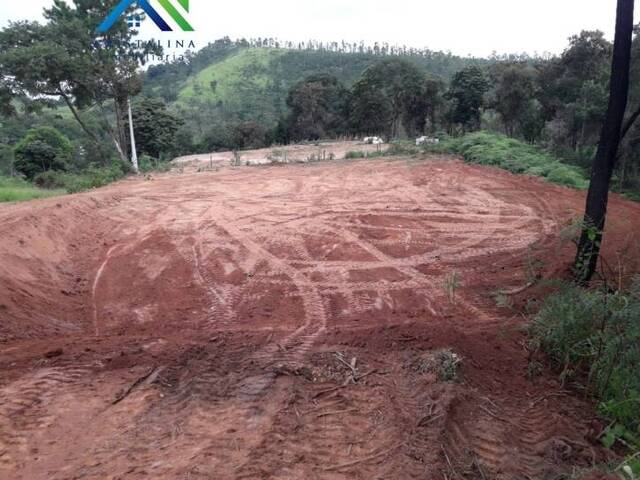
(364,459)
(336,412)
(494,415)
(347,382)
(479,467)
(320,407)
(604,430)
(375,370)
(515,291)
(150,375)
(332,389)
(354,372)
(455,474)
(424,422)
(627,461)
(549,395)
(487,399)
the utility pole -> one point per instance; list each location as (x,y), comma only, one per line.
(134,153)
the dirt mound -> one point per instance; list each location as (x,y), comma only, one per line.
(267,323)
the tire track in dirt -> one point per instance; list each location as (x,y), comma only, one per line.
(507,441)
(220,302)
(240,397)
(294,346)
(24,408)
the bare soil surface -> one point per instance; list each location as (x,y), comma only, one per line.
(304,153)
(274,323)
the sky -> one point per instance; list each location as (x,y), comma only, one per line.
(464,27)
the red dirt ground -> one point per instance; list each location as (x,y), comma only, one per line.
(187,326)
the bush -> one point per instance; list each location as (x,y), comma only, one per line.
(42,149)
(402,148)
(92,177)
(513,155)
(595,336)
(395,149)
(6,160)
(355,154)
(150,164)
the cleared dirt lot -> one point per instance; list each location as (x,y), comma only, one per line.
(318,151)
(189,326)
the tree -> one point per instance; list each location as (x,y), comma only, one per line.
(628,169)
(604,163)
(64,59)
(370,112)
(383,100)
(247,135)
(573,89)
(318,108)
(466,92)
(42,149)
(433,103)
(514,92)
(155,127)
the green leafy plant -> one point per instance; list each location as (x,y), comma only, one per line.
(353,154)
(498,150)
(444,363)
(42,149)
(593,337)
(93,177)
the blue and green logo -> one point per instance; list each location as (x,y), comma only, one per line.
(173,12)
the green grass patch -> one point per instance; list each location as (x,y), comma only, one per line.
(593,338)
(93,177)
(246,71)
(395,149)
(19,190)
(493,149)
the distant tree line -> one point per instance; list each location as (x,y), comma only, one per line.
(555,102)
(302,91)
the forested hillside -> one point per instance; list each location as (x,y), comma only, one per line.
(250,81)
(233,95)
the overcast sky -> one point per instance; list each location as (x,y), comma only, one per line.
(476,27)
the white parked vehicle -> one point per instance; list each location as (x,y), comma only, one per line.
(427,141)
(373,140)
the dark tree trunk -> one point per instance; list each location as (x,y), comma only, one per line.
(604,163)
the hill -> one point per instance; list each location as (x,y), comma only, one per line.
(246,82)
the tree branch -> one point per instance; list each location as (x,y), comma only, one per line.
(112,134)
(629,123)
(77,115)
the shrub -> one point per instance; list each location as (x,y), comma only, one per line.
(42,149)
(595,336)
(355,154)
(92,177)
(6,160)
(486,148)
(444,363)
(395,149)
(401,148)
(147,164)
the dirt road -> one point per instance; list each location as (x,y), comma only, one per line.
(271,323)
